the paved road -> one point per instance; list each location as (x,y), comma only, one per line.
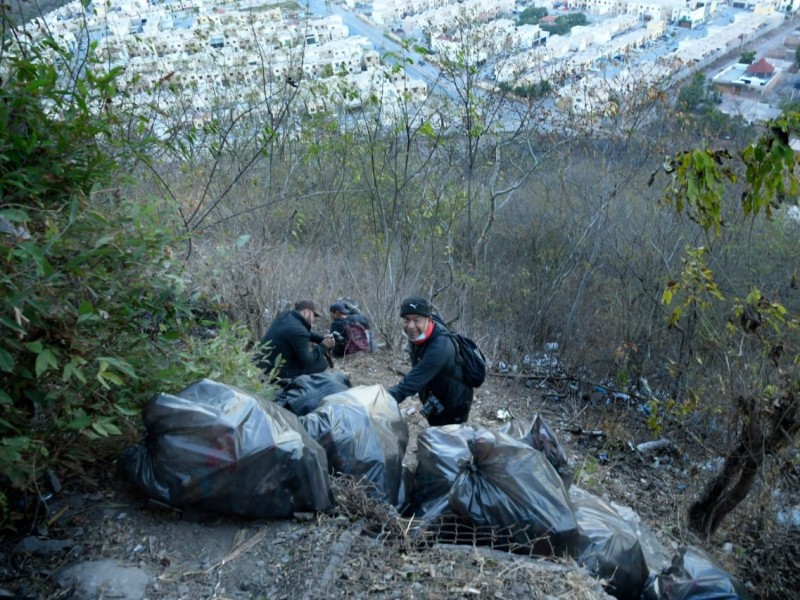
(359,25)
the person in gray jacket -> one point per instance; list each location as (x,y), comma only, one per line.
(435,371)
(287,344)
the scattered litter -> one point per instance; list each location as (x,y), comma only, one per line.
(654,446)
(503,415)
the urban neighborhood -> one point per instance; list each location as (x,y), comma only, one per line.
(238,48)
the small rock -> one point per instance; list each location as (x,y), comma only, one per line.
(104,579)
(45,548)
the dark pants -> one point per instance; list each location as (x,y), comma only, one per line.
(450,416)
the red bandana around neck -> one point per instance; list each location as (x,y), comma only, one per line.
(425,335)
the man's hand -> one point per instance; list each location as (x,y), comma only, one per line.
(328,341)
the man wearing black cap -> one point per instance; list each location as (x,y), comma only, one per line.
(435,373)
(286,344)
(350,329)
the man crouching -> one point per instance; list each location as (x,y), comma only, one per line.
(436,373)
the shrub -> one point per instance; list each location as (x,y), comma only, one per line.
(95,312)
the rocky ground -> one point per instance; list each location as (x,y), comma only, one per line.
(101,539)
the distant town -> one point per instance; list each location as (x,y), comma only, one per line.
(211,50)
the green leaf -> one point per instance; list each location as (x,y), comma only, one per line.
(11,324)
(85,308)
(36,254)
(72,369)
(105,428)
(35,347)
(15,214)
(45,361)
(128,412)
(103,241)
(81,421)
(122,365)
(6,361)
(427,129)
(5,399)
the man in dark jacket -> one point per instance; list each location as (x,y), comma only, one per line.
(341,316)
(286,344)
(435,371)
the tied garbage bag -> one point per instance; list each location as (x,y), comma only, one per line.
(304,393)
(494,481)
(694,575)
(613,552)
(538,435)
(364,436)
(439,451)
(218,448)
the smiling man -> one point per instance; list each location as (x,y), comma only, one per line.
(436,374)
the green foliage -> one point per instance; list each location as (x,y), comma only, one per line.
(698,185)
(565,23)
(747,57)
(531,15)
(95,313)
(797,56)
(757,343)
(697,93)
(696,288)
(667,411)
(533,90)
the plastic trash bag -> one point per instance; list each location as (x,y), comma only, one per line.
(364,436)
(304,393)
(219,448)
(538,435)
(494,481)
(439,451)
(405,495)
(613,552)
(694,575)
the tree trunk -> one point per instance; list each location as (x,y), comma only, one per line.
(725,491)
(767,429)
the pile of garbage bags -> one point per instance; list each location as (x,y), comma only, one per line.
(223,449)
(219,448)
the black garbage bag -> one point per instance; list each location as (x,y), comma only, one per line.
(439,452)
(537,434)
(613,552)
(494,481)
(405,495)
(219,448)
(304,393)
(694,575)
(364,436)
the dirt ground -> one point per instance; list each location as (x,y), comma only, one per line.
(360,551)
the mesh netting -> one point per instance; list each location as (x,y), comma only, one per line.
(378,554)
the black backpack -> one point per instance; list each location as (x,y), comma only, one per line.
(469,356)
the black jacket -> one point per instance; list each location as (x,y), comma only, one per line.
(288,339)
(435,371)
(339,326)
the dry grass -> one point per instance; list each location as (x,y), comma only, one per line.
(379,554)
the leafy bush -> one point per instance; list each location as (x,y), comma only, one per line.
(96,314)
